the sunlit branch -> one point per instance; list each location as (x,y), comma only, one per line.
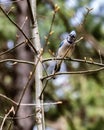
(17,61)
(43,88)
(75,60)
(28,116)
(10,10)
(60,13)
(52,22)
(76,72)
(5,117)
(26,18)
(28,104)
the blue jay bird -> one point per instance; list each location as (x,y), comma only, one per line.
(65,49)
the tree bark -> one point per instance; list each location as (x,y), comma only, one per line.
(38,73)
(23,70)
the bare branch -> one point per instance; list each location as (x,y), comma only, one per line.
(86,15)
(18,118)
(43,88)
(50,30)
(26,18)
(8,99)
(17,61)
(6,115)
(28,116)
(75,60)
(9,50)
(30,43)
(27,104)
(76,72)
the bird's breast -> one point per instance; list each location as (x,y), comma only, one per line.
(66,51)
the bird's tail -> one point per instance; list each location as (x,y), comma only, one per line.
(57,67)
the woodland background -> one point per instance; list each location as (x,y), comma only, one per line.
(82,95)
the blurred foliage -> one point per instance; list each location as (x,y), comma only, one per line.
(83,105)
(7,29)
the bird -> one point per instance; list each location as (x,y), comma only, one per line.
(65,49)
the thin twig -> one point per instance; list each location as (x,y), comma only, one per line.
(76,72)
(9,50)
(30,43)
(75,60)
(18,118)
(5,117)
(52,22)
(45,104)
(27,104)
(26,18)
(10,10)
(43,88)
(86,15)
(8,99)
(17,61)
(17,45)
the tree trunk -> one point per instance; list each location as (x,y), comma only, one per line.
(38,73)
(23,70)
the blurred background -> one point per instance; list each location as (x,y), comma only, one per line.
(82,95)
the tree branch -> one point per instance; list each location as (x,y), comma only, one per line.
(76,72)
(30,43)
(38,74)
(17,61)
(75,60)
(9,50)
(5,117)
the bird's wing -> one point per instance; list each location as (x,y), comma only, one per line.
(61,43)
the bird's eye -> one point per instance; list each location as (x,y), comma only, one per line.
(73,36)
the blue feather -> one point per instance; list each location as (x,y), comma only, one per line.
(61,43)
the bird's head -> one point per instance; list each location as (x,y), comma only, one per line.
(71,37)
